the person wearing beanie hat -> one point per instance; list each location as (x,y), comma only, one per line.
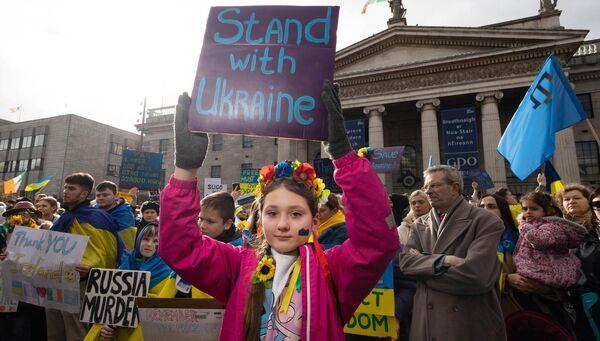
(149,210)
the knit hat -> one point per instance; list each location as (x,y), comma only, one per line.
(150,205)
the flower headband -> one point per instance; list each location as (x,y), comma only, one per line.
(301,172)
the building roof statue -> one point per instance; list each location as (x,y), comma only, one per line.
(398,13)
(547,6)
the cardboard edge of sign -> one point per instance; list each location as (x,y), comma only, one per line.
(255,135)
(178,303)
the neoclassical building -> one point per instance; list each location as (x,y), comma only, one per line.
(402,80)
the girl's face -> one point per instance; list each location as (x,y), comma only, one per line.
(286,220)
(532,210)
(575,203)
(148,246)
(489,203)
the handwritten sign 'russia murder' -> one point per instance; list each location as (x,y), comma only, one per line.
(261,71)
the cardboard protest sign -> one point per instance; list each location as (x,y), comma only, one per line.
(110,296)
(40,268)
(180,319)
(386,160)
(248,180)
(355,130)
(324,169)
(140,169)
(375,315)
(213,185)
(261,71)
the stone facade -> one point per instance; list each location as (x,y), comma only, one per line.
(63,145)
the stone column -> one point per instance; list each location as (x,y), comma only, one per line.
(375,116)
(490,130)
(430,144)
(565,156)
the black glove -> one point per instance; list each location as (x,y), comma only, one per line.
(190,148)
(338,144)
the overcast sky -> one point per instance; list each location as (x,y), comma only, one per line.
(99,59)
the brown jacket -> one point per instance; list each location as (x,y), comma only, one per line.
(459,303)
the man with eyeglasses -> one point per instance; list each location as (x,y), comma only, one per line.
(451,253)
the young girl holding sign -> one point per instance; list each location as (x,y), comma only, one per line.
(143,258)
(284,285)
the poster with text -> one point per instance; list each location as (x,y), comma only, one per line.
(248,180)
(459,135)
(110,296)
(261,71)
(387,159)
(40,268)
(141,169)
(213,185)
(375,315)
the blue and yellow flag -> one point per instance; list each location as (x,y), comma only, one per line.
(553,181)
(38,184)
(548,107)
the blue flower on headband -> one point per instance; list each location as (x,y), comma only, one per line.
(284,170)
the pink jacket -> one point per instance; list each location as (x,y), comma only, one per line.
(224,271)
(542,252)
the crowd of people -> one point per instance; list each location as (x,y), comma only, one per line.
(295,261)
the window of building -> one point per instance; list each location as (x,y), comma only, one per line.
(39,140)
(409,178)
(215,171)
(14,142)
(163,145)
(4,144)
(217,142)
(112,170)
(2,166)
(246,165)
(587,158)
(586,103)
(116,148)
(246,141)
(27,141)
(35,164)
(23,164)
(12,166)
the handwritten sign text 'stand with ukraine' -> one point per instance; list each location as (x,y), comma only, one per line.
(261,71)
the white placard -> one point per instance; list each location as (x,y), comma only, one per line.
(40,268)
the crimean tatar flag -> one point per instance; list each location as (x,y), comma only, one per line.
(369,2)
(38,184)
(12,185)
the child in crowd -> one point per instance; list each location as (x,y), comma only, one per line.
(283,285)
(216,218)
(143,257)
(542,251)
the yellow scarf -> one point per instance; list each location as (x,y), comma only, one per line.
(337,218)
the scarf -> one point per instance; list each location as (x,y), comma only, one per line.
(337,218)
(584,220)
(438,223)
(133,260)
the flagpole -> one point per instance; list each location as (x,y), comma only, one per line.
(593,131)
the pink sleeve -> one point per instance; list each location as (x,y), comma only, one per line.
(372,242)
(207,264)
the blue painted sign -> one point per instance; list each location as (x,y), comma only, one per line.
(141,170)
(459,132)
(356,133)
(261,71)
(324,169)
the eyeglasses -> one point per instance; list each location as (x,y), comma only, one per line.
(596,204)
(434,186)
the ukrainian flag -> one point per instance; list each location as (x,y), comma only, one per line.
(43,182)
(553,181)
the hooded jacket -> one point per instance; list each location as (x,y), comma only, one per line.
(224,271)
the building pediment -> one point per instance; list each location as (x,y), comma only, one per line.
(408,62)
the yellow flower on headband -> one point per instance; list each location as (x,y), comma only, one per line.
(319,186)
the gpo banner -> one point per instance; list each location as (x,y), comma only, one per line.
(459,132)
